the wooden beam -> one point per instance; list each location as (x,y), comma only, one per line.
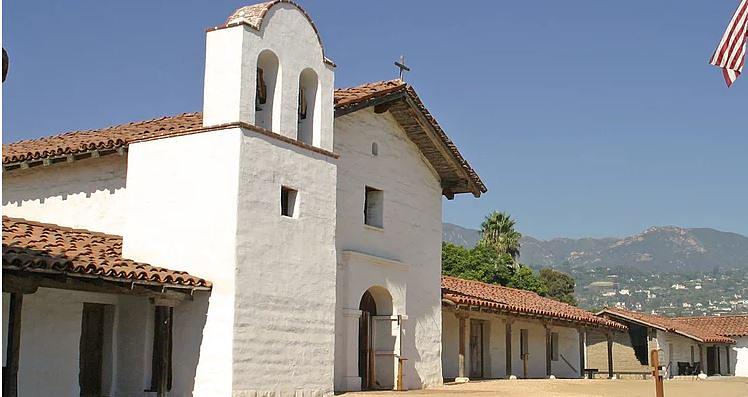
(548,355)
(25,281)
(508,345)
(13,347)
(719,364)
(582,339)
(727,356)
(702,364)
(609,339)
(382,107)
(462,341)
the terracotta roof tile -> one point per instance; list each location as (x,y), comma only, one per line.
(45,248)
(670,325)
(470,292)
(110,138)
(119,136)
(721,325)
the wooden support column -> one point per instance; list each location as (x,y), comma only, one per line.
(609,338)
(508,345)
(547,350)
(461,376)
(727,355)
(719,365)
(12,354)
(582,340)
(702,363)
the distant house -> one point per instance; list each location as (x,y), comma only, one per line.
(689,345)
(490,331)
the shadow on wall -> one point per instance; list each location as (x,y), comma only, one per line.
(84,177)
(189,321)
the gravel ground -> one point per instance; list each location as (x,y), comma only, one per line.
(712,387)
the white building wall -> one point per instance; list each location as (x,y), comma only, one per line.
(411,235)
(739,356)
(87,194)
(182,214)
(50,339)
(494,365)
(681,350)
(285,276)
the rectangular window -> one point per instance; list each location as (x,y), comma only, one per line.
(288,201)
(374,207)
(523,343)
(161,360)
(554,346)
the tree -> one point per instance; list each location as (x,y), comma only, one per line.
(560,286)
(524,278)
(497,231)
(480,263)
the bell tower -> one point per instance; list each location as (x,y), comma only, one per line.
(266,67)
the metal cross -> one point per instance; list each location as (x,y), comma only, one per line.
(401,65)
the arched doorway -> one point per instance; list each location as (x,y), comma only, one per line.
(375,304)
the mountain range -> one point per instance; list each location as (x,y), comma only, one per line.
(662,248)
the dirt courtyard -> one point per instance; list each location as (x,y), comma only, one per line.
(715,387)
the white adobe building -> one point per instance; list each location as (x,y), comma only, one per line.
(297,230)
(712,345)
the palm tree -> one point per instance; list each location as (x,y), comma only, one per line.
(497,231)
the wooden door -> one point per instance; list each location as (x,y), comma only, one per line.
(91,350)
(711,360)
(386,340)
(364,351)
(476,349)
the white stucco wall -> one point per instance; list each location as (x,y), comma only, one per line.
(50,338)
(231,64)
(681,351)
(411,235)
(182,214)
(494,356)
(87,194)
(285,275)
(739,356)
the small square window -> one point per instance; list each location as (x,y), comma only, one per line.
(374,207)
(288,201)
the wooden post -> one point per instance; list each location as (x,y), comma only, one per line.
(462,339)
(582,338)
(719,365)
(702,364)
(655,360)
(609,338)
(508,347)
(548,355)
(12,354)
(727,356)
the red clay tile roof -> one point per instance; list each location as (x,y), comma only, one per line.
(668,324)
(110,138)
(349,99)
(468,292)
(119,136)
(45,248)
(721,325)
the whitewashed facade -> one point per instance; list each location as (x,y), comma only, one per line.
(284,313)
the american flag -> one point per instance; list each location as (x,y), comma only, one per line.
(730,54)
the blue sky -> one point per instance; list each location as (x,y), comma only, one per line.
(584,118)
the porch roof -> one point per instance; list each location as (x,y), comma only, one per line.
(45,249)
(683,328)
(510,300)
